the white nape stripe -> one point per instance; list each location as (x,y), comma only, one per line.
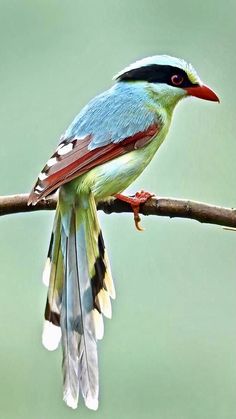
(91,403)
(42,176)
(46,272)
(51,336)
(51,161)
(162,60)
(65,149)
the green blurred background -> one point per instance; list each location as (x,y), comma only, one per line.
(170,350)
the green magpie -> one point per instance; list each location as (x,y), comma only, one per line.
(106,147)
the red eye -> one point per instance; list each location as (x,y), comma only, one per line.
(176,79)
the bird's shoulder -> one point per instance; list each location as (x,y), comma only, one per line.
(114,115)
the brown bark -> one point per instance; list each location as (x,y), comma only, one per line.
(165,207)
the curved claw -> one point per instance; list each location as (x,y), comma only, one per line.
(137,219)
(135,201)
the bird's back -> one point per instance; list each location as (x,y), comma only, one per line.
(114,115)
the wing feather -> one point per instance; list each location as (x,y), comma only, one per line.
(78,159)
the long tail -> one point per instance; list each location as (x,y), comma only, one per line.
(53,277)
(80,287)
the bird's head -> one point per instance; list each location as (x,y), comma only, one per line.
(168,78)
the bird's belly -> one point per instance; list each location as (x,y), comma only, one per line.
(116,175)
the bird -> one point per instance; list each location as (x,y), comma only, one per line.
(106,147)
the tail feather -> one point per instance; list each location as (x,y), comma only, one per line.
(80,363)
(53,276)
(108,281)
(80,287)
(99,267)
(70,315)
(88,359)
(99,324)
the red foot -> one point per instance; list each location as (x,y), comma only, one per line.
(135,201)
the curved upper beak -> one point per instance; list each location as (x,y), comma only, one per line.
(203,92)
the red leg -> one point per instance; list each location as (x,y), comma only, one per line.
(135,201)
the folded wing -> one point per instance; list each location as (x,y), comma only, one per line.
(73,157)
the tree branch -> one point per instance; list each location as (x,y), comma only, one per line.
(166,207)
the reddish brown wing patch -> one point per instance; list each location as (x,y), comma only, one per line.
(72,158)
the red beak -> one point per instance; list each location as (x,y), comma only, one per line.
(203,92)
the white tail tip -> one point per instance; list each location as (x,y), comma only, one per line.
(46,272)
(105,303)
(99,325)
(91,403)
(70,400)
(51,336)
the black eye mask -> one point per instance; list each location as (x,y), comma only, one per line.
(155,73)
